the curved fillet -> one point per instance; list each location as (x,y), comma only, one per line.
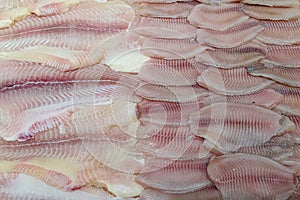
(171,72)
(165,28)
(273,3)
(229,126)
(290,104)
(280,32)
(231,37)
(217,17)
(171,48)
(168,10)
(170,93)
(232,81)
(232,57)
(281,74)
(242,176)
(208,193)
(271,13)
(180,176)
(287,55)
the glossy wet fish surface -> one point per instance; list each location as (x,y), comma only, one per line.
(149,100)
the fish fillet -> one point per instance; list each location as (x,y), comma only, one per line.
(242,176)
(280,32)
(231,37)
(281,74)
(232,81)
(171,72)
(217,17)
(273,3)
(286,55)
(232,57)
(230,126)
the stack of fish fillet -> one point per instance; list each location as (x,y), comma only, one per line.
(149,99)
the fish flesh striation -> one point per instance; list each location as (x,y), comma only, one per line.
(290,104)
(171,72)
(170,93)
(171,48)
(167,10)
(178,28)
(240,176)
(232,81)
(179,176)
(229,58)
(217,17)
(227,127)
(286,55)
(271,13)
(208,193)
(281,74)
(280,32)
(273,3)
(231,37)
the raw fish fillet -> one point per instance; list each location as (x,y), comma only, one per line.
(165,28)
(231,37)
(271,13)
(179,176)
(280,32)
(232,57)
(242,176)
(287,55)
(168,10)
(232,81)
(281,74)
(9,16)
(217,17)
(273,3)
(230,126)
(171,72)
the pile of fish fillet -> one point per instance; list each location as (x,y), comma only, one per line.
(149,99)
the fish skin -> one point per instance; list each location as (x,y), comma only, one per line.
(179,176)
(286,55)
(246,176)
(290,104)
(223,81)
(217,17)
(171,72)
(231,37)
(227,127)
(267,98)
(170,93)
(271,13)
(229,58)
(167,10)
(167,28)
(171,48)
(280,32)
(208,193)
(281,74)
(273,3)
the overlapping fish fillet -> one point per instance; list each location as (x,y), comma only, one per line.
(286,55)
(273,3)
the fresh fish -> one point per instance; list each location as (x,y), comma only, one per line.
(232,57)
(168,10)
(161,1)
(267,98)
(273,3)
(286,55)
(170,93)
(179,176)
(165,28)
(290,104)
(171,72)
(232,81)
(217,17)
(171,48)
(271,13)
(9,16)
(227,127)
(208,193)
(281,74)
(231,37)
(280,32)
(242,176)
(218,2)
